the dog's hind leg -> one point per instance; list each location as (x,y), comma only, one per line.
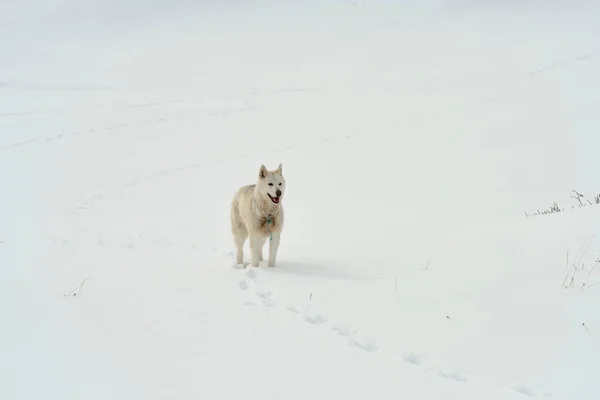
(239,232)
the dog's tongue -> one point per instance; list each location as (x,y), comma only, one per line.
(275,199)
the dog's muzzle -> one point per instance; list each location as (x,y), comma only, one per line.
(276,198)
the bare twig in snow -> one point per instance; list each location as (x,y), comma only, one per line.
(426,266)
(77,289)
(551,210)
(565,280)
(581,201)
(575,195)
(594,284)
(585,326)
(586,249)
(563,284)
(555,208)
(577,265)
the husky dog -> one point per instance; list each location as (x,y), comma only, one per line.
(256,212)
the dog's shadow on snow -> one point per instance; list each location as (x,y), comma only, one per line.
(310,269)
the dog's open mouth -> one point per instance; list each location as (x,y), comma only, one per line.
(274,199)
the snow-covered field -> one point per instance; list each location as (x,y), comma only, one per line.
(414,137)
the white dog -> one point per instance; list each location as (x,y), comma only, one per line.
(256,212)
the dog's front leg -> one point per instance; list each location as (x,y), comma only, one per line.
(256,245)
(273,247)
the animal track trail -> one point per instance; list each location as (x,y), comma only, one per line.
(149,104)
(119,126)
(257,295)
(439,370)
(244,285)
(73,110)
(111,240)
(415,359)
(266,298)
(315,318)
(250,283)
(453,375)
(435,369)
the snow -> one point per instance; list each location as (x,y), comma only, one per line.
(414,139)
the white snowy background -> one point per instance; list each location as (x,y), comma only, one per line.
(414,137)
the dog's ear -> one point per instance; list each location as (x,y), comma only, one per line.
(279,169)
(263,172)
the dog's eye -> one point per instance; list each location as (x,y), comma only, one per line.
(280,184)
(270,184)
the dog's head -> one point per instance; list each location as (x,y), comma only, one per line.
(271,183)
